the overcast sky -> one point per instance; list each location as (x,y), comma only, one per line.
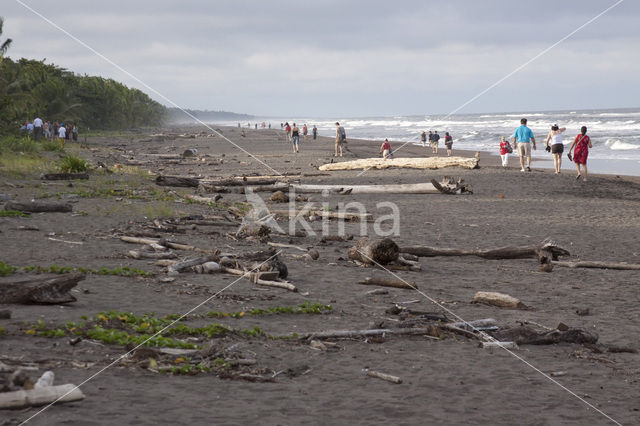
(331,58)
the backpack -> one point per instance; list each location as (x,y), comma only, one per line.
(343,134)
(509,148)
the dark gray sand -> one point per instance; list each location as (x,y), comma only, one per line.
(447,381)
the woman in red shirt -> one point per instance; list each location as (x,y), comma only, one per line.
(582,143)
(505,150)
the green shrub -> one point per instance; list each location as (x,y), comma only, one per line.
(52,146)
(17,144)
(72,164)
(6,269)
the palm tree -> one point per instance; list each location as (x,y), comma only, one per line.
(4,46)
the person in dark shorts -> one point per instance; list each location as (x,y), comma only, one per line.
(555,145)
(448,141)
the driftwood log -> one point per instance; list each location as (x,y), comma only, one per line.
(384,376)
(185,182)
(529,336)
(343,334)
(38,206)
(374,251)
(169,244)
(40,396)
(64,176)
(41,289)
(407,188)
(257,278)
(498,299)
(411,163)
(600,265)
(362,217)
(545,252)
(385,282)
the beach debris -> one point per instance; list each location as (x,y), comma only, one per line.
(64,176)
(40,289)
(386,282)
(21,391)
(431,330)
(180,181)
(38,206)
(496,344)
(377,292)
(599,265)
(370,251)
(190,152)
(307,212)
(279,197)
(447,186)
(176,268)
(498,299)
(141,254)
(5,314)
(526,335)
(412,163)
(546,252)
(384,376)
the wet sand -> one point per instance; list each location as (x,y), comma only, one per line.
(445,381)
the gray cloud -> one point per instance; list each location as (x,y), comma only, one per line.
(346,58)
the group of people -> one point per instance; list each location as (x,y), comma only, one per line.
(523,140)
(434,141)
(51,130)
(293,134)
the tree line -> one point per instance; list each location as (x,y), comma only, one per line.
(30,88)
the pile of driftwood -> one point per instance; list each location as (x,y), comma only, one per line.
(266,268)
(19,390)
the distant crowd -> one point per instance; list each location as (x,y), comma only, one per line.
(51,130)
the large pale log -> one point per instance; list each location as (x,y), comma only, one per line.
(181,266)
(38,206)
(545,252)
(180,181)
(407,188)
(600,265)
(41,289)
(256,278)
(374,251)
(40,396)
(170,244)
(412,163)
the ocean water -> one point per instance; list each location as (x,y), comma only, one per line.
(615,133)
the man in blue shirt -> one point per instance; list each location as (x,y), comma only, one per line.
(522,140)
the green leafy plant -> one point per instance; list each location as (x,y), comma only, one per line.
(13,213)
(72,164)
(6,269)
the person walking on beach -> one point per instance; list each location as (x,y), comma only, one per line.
(305,131)
(287,129)
(423,138)
(448,141)
(582,143)
(315,132)
(434,141)
(295,137)
(385,149)
(522,140)
(557,147)
(341,137)
(505,150)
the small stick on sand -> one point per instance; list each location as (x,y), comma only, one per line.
(388,377)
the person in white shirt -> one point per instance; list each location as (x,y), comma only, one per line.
(557,146)
(37,128)
(62,133)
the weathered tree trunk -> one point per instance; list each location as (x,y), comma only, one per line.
(388,283)
(362,217)
(544,252)
(41,289)
(374,251)
(40,396)
(600,265)
(334,334)
(64,176)
(412,163)
(529,336)
(177,181)
(38,206)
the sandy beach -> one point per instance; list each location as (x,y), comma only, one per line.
(448,379)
